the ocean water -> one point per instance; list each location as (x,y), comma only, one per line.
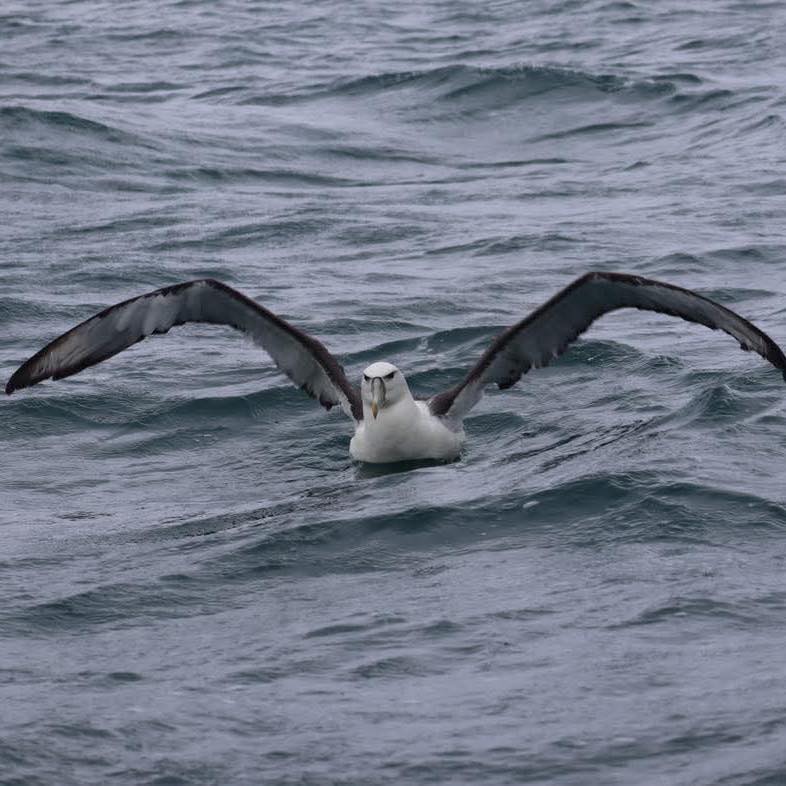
(200,587)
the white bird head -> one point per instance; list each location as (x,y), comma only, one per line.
(383,385)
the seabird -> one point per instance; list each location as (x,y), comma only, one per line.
(390,424)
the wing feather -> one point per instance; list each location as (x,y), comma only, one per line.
(301,357)
(546,333)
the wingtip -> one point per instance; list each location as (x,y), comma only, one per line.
(16,382)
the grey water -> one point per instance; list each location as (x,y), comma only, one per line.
(197,584)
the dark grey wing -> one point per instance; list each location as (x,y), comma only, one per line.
(547,332)
(302,358)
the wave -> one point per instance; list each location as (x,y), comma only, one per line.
(244,235)
(42,146)
(737,613)
(720,404)
(492,246)
(464,83)
(15,118)
(467,91)
(312,535)
(126,414)
(217,174)
(460,82)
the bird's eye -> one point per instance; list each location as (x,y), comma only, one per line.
(391,375)
(366,379)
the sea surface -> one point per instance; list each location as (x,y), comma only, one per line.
(199,586)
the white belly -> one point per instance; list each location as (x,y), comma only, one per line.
(404,432)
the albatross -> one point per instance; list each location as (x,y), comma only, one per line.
(390,423)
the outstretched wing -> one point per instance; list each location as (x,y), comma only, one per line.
(302,358)
(546,333)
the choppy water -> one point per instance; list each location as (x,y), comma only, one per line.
(199,587)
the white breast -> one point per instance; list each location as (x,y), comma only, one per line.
(405,431)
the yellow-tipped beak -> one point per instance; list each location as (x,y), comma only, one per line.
(377,396)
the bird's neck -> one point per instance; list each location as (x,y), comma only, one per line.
(390,416)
